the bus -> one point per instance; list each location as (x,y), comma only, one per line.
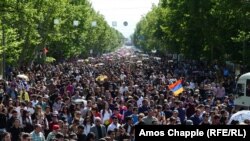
(242,98)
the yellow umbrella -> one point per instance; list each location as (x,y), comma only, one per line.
(101,77)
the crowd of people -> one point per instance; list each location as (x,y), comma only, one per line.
(102,99)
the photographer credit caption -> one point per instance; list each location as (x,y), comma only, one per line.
(195,133)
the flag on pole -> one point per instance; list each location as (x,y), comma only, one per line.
(176,88)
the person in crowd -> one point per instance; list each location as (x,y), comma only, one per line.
(53,133)
(16,129)
(11,120)
(98,129)
(111,135)
(91,137)
(115,123)
(128,126)
(26,122)
(106,114)
(3,118)
(87,125)
(150,117)
(81,136)
(37,134)
(6,136)
(25,137)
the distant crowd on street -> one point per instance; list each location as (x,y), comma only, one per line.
(104,98)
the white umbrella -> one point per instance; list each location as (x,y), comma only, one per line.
(144,55)
(23,76)
(100,64)
(80,60)
(80,101)
(139,62)
(240,116)
(91,58)
(157,58)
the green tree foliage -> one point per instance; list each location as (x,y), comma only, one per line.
(29,26)
(210,29)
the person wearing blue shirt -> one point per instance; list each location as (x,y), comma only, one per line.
(135,115)
(129,111)
(196,118)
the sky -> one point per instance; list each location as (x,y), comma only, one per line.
(120,11)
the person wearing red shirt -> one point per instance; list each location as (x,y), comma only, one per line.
(116,113)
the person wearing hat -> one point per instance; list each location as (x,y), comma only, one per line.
(54,120)
(53,133)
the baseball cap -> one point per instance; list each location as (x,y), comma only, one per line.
(46,96)
(55,113)
(56,127)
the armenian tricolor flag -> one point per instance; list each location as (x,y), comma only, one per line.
(176,88)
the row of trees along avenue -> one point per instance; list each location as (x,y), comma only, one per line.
(207,29)
(65,28)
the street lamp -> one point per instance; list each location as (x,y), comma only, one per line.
(75,23)
(94,24)
(56,21)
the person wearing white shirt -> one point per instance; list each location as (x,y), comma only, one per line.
(33,100)
(123,88)
(114,125)
(106,114)
(122,76)
(87,125)
(30,108)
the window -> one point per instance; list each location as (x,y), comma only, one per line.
(240,89)
(248,88)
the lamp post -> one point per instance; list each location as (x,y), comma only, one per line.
(75,22)
(93,24)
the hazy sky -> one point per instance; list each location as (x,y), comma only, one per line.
(123,10)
